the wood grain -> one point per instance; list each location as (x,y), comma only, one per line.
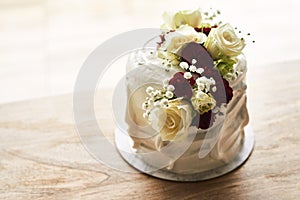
(41,156)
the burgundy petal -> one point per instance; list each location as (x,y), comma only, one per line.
(205,30)
(196,51)
(205,120)
(182,86)
(224,92)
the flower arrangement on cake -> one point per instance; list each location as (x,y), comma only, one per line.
(186,109)
(205,54)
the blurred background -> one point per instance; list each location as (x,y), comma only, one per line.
(43,43)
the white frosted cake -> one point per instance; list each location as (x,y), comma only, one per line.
(186,109)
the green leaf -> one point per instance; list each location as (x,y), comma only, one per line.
(225,65)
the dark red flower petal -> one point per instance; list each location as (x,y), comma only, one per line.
(182,86)
(205,120)
(228,90)
(162,40)
(196,51)
(205,30)
(224,92)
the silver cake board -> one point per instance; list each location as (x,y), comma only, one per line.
(132,159)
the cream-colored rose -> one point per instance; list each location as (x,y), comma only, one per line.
(172,122)
(185,34)
(173,21)
(177,42)
(223,41)
(203,103)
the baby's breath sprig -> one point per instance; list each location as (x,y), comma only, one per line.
(202,100)
(190,68)
(169,59)
(157,98)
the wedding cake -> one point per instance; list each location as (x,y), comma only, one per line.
(186,108)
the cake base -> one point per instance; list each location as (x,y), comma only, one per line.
(124,147)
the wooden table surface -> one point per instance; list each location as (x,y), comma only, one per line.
(41,156)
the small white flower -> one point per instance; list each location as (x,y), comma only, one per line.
(194,61)
(149,90)
(157,93)
(199,94)
(164,102)
(212,81)
(193,68)
(201,86)
(150,102)
(156,104)
(200,70)
(152,94)
(144,106)
(214,89)
(169,94)
(200,80)
(170,88)
(205,83)
(184,65)
(187,75)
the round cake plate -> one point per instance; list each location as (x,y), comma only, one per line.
(123,142)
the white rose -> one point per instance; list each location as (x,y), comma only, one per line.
(177,42)
(174,21)
(223,41)
(185,34)
(172,122)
